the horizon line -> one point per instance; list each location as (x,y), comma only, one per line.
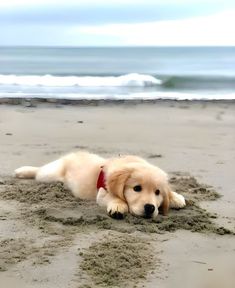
(117,46)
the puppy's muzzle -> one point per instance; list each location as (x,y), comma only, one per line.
(148,210)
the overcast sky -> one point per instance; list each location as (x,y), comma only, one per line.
(117,22)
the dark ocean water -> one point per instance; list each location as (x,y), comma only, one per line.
(118,73)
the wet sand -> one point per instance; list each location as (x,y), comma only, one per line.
(50,239)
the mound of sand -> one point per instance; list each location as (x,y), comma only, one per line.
(117,261)
(54,203)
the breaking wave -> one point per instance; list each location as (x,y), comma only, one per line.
(128,80)
(193,82)
(112,87)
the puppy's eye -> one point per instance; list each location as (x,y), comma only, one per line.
(157,192)
(137,188)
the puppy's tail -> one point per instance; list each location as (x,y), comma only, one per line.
(26,172)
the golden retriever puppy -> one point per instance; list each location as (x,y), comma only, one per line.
(121,185)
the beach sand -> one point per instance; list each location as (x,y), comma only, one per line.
(49,239)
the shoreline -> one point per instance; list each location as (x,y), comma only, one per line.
(33,102)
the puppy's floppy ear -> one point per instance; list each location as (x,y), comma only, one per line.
(116,182)
(166,200)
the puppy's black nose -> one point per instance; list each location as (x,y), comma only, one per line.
(149,209)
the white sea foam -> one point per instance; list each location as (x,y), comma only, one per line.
(128,80)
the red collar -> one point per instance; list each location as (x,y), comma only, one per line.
(101,180)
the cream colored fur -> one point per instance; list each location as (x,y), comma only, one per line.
(79,172)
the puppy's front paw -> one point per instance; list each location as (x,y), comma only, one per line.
(177,201)
(117,210)
(117,215)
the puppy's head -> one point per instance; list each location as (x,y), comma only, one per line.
(144,187)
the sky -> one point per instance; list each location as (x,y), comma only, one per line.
(117,22)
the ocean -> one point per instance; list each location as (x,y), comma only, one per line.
(151,73)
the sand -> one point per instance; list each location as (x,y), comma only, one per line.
(50,239)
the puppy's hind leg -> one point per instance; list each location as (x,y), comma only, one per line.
(54,171)
(26,172)
(50,172)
